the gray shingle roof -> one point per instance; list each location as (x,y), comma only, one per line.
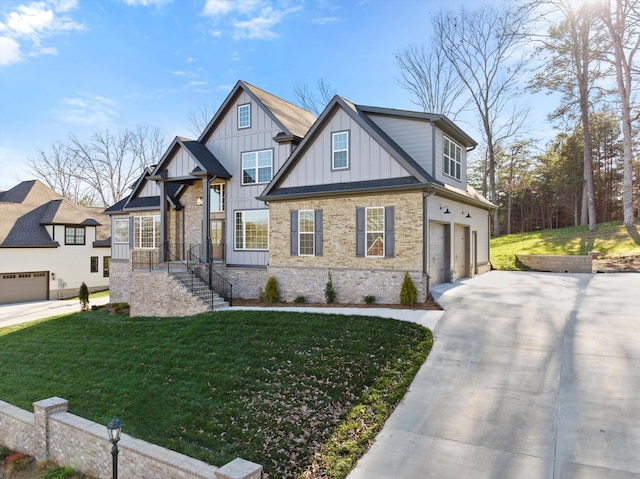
(26,208)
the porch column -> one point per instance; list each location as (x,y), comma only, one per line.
(206,219)
(163,221)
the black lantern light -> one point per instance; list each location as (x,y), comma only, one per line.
(114,428)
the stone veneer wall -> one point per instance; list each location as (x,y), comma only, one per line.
(155,293)
(558,263)
(247,282)
(51,433)
(119,281)
(351,285)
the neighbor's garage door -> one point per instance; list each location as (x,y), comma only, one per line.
(21,287)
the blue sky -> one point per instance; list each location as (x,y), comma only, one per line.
(79,66)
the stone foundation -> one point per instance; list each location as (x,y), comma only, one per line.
(119,281)
(351,285)
(155,293)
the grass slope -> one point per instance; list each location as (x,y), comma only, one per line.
(297,393)
(609,238)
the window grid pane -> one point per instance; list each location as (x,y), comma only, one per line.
(146,232)
(375,231)
(122,230)
(306,224)
(257,167)
(340,150)
(452,158)
(252,230)
(74,235)
(243,116)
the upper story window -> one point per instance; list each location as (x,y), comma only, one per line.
(452,158)
(74,235)
(340,150)
(252,230)
(257,167)
(216,198)
(146,231)
(244,116)
(121,230)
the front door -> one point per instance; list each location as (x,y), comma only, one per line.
(217,240)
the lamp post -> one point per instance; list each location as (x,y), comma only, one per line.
(114,428)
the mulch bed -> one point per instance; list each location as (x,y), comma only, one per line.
(427,305)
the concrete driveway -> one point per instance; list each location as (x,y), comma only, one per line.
(17,313)
(532,375)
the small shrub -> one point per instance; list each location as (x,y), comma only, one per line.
(300,300)
(83,295)
(369,299)
(4,453)
(271,291)
(59,473)
(408,291)
(329,292)
(17,461)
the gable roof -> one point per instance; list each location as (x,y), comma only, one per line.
(26,208)
(401,156)
(133,202)
(206,162)
(293,120)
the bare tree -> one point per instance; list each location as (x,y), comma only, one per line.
(100,170)
(482,46)
(57,169)
(574,45)
(199,119)
(436,86)
(314,100)
(622,20)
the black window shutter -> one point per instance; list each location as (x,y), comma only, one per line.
(318,231)
(389,225)
(360,232)
(294,232)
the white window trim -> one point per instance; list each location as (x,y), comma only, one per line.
(449,159)
(367,231)
(137,236)
(312,233)
(115,230)
(223,200)
(334,150)
(257,167)
(241,107)
(244,231)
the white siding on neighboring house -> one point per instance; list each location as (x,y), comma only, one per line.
(413,136)
(367,159)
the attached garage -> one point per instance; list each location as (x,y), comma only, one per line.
(439,253)
(22,287)
(461,252)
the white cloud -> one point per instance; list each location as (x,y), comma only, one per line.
(146,3)
(87,110)
(326,20)
(9,51)
(250,19)
(32,22)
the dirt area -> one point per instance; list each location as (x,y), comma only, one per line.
(429,305)
(617,264)
(22,466)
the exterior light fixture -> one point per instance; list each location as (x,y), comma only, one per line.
(446,210)
(199,200)
(114,428)
(468,214)
(53,276)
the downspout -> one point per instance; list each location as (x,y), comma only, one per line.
(163,220)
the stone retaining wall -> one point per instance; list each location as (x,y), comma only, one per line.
(558,263)
(51,433)
(156,293)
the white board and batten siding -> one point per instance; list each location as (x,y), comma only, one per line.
(367,159)
(227,143)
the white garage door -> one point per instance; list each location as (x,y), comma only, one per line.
(21,287)
(461,253)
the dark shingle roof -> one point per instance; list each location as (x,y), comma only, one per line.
(351,187)
(26,208)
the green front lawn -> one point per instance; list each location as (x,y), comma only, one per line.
(609,238)
(290,391)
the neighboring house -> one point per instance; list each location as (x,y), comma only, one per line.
(49,246)
(364,193)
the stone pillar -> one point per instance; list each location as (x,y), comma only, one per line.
(239,469)
(42,410)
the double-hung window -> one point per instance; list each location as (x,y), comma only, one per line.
(451,158)
(340,150)
(244,116)
(146,232)
(94,264)
(74,235)
(375,232)
(257,167)
(252,230)
(306,232)
(106,263)
(121,230)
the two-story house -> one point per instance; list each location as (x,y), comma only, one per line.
(364,193)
